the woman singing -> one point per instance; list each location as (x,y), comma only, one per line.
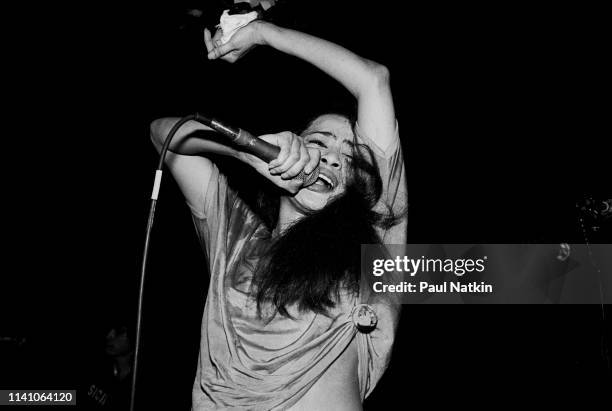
(278,330)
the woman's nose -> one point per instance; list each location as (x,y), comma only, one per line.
(332,159)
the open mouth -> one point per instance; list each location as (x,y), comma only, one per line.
(323,183)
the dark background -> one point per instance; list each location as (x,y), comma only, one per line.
(501,119)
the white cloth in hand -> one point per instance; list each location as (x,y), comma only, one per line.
(231,23)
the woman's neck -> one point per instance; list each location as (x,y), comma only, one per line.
(287,215)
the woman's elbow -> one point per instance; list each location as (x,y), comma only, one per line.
(155,130)
(381,74)
(378,76)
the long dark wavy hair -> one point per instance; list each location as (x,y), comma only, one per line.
(318,256)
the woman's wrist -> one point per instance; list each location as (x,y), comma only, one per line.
(264,30)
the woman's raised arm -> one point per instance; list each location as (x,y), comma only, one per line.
(366,80)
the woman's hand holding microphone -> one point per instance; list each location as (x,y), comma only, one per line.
(293,158)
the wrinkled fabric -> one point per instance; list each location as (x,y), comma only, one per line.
(246,362)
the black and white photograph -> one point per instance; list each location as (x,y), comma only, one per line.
(307,205)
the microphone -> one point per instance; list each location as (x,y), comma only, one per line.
(258,147)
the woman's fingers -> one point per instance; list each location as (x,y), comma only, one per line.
(298,166)
(284,142)
(217,37)
(221,50)
(314,156)
(214,47)
(292,157)
(239,45)
(208,41)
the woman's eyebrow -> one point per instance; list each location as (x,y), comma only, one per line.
(325,133)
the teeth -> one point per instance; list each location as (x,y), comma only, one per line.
(326,179)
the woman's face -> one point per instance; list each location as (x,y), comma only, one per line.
(332,135)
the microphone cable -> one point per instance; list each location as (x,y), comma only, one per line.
(154,196)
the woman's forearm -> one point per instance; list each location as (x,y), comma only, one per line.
(366,80)
(357,74)
(186,140)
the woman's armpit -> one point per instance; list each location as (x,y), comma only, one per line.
(378,151)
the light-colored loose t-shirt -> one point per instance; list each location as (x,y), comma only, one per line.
(247,362)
